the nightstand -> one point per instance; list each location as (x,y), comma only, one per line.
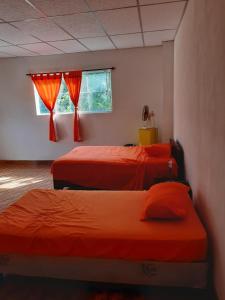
(148,136)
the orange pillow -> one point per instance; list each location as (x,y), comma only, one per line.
(159,150)
(167,200)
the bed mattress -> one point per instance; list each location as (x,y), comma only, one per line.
(97,224)
(112,167)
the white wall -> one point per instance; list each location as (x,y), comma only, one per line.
(199,117)
(166,115)
(137,80)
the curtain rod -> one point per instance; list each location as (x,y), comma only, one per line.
(102,69)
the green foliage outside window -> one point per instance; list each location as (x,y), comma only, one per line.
(95,95)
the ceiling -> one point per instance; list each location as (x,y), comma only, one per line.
(43,27)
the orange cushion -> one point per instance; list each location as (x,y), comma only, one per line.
(159,150)
(167,200)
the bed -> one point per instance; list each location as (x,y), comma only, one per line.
(115,167)
(98,236)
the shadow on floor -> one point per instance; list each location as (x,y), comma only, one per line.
(31,288)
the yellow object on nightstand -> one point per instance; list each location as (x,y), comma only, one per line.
(148,136)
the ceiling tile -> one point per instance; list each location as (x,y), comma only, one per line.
(109,4)
(43,29)
(2,43)
(81,25)
(14,10)
(3,54)
(128,40)
(12,35)
(157,37)
(120,21)
(162,16)
(69,46)
(144,2)
(59,7)
(98,43)
(42,49)
(16,51)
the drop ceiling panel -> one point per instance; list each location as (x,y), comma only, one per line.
(59,7)
(42,49)
(144,2)
(2,43)
(14,10)
(16,51)
(81,25)
(162,16)
(128,40)
(120,21)
(12,35)
(48,27)
(5,55)
(43,29)
(109,4)
(157,37)
(98,43)
(69,46)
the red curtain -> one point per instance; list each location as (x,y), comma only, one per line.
(48,86)
(73,81)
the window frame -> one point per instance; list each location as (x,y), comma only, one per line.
(37,99)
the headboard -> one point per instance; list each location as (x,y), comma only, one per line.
(178,154)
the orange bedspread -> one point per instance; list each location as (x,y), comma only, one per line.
(111,167)
(97,224)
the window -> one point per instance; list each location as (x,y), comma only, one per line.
(95,95)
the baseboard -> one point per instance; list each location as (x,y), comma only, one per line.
(26,162)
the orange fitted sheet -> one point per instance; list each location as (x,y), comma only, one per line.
(97,224)
(111,167)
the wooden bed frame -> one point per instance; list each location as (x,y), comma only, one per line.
(192,275)
(177,153)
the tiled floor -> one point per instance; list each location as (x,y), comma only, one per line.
(18,178)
